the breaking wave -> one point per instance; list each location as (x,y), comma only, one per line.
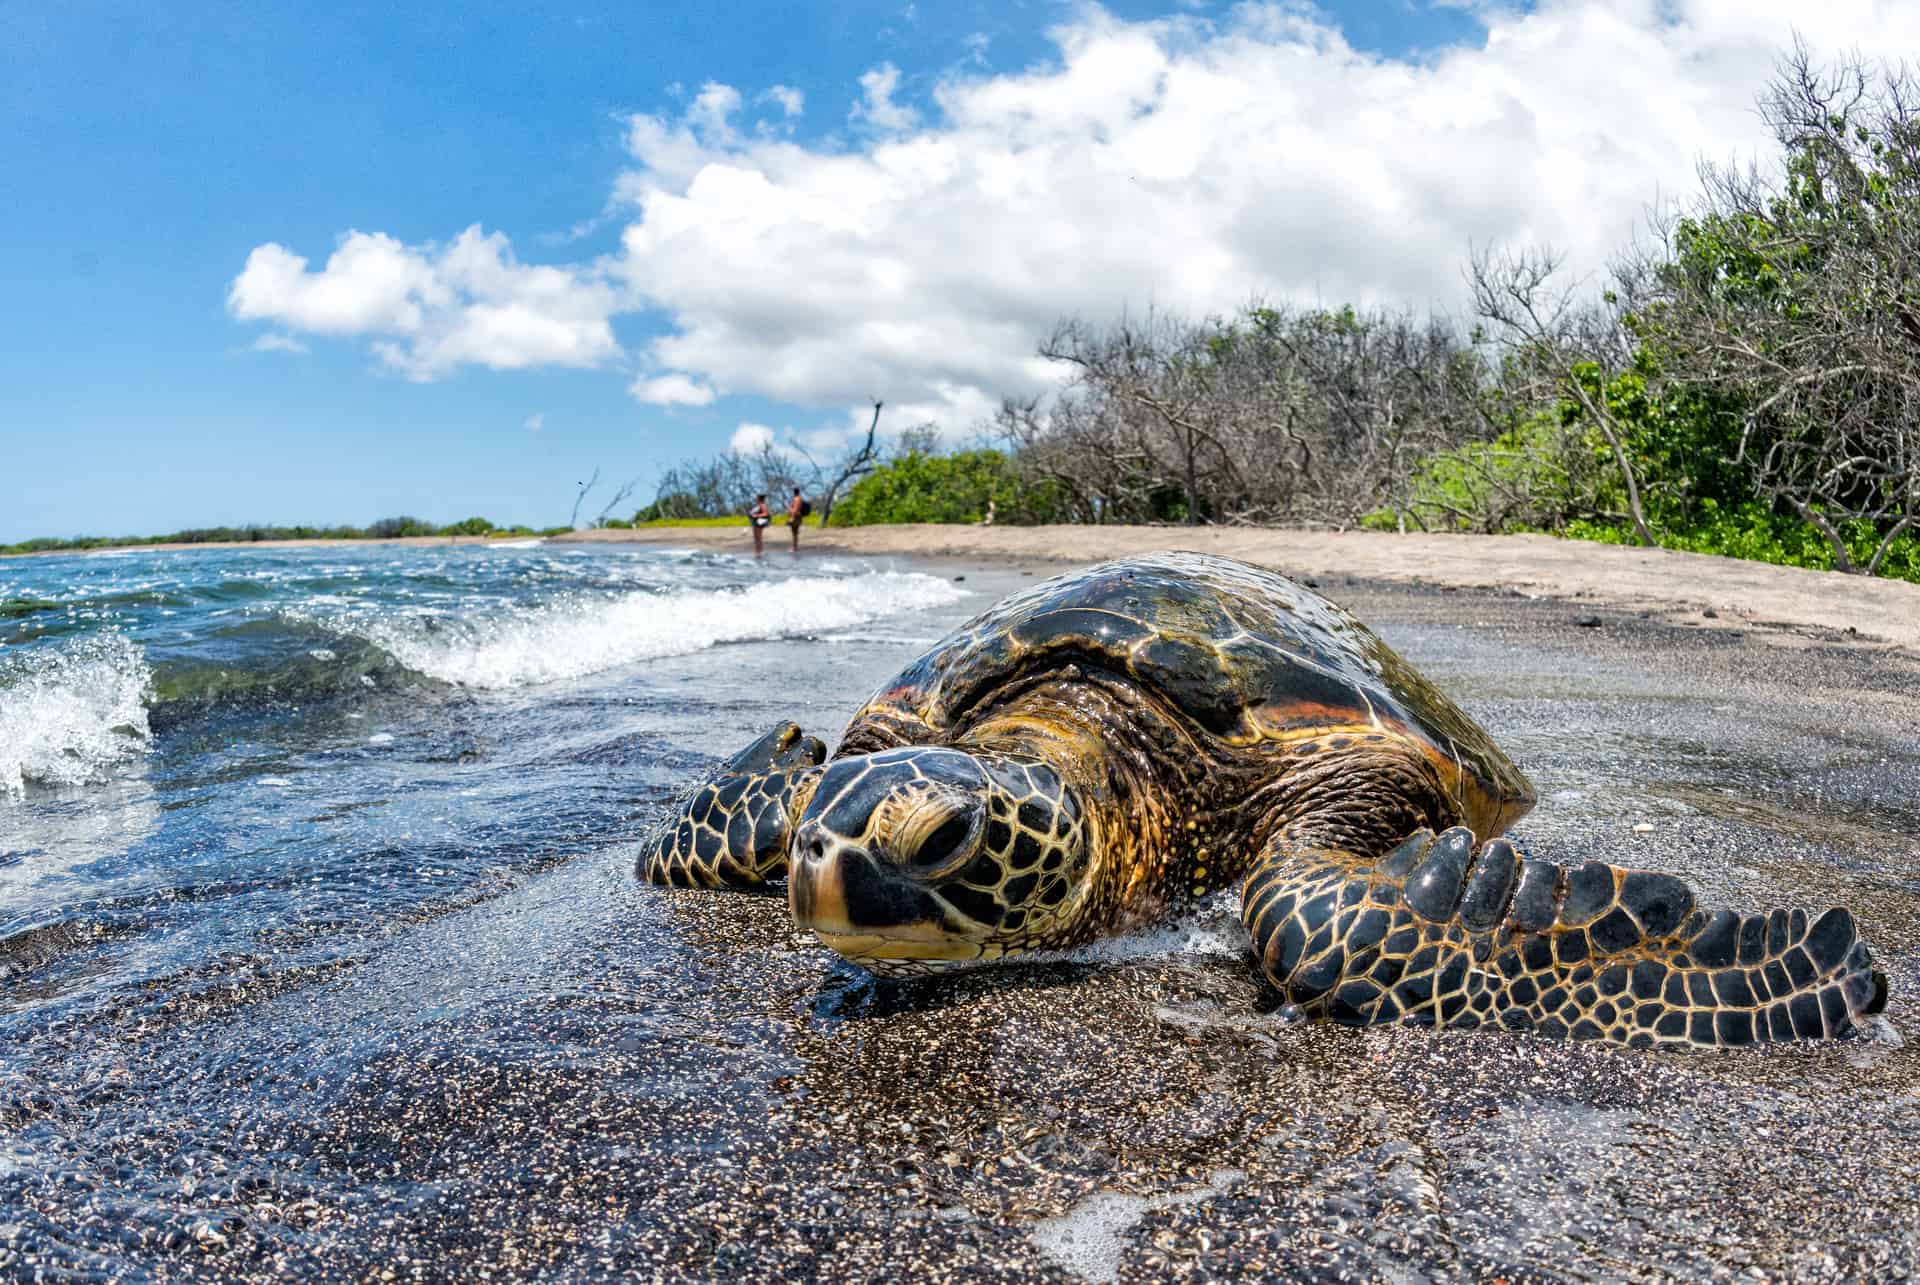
(586,634)
(70,713)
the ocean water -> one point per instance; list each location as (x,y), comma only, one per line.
(231,775)
(189,720)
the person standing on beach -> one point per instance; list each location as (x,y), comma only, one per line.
(759,515)
(797,509)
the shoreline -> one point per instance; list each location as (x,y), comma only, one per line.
(1693,589)
(309,542)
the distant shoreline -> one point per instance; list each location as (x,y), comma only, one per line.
(308,542)
(1777,602)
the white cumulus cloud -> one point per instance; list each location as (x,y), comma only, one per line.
(431,308)
(790,100)
(1185,163)
(750,439)
(712,110)
(273,342)
(535,422)
(671,390)
(876,106)
(371,283)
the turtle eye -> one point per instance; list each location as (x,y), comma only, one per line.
(951,839)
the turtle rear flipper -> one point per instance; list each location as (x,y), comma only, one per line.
(1448,932)
(730,831)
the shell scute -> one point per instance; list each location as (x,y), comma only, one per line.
(1090,628)
(1190,674)
(1241,652)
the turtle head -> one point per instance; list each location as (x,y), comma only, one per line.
(918,859)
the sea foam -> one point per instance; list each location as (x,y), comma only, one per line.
(70,713)
(586,634)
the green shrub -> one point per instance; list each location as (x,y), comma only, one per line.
(1749,531)
(921,487)
(675,504)
(1535,476)
(395,528)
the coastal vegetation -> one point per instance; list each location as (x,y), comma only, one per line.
(1744,381)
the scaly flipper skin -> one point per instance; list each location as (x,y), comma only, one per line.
(1447,932)
(731,830)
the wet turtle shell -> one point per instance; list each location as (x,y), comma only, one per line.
(1241,654)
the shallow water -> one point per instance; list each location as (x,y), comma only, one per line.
(310,974)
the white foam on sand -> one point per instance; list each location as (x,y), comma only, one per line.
(1090,1239)
(71,712)
(587,634)
(1209,927)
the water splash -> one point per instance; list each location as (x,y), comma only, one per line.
(585,634)
(70,713)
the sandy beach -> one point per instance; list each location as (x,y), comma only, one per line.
(1713,592)
(415,1010)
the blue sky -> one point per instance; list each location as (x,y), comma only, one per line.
(777,266)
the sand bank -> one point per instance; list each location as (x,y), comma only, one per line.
(1673,585)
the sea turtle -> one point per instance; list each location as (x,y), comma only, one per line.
(1117,741)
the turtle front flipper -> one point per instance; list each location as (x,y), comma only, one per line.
(1446,932)
(730,831)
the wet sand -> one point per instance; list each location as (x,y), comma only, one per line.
(677,1086)
(1148,1116)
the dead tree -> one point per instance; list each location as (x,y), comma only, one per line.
(573,519)
(1273,415)
(619,496)
(854,463)
(1557,349)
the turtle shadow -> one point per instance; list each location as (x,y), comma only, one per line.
(848,993)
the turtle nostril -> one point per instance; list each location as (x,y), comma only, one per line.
(812,845)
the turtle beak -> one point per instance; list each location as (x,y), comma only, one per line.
(860,908)
(815,893)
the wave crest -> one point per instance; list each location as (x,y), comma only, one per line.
(582,635)
(70,713)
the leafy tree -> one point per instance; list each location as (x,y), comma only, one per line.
(1793,301)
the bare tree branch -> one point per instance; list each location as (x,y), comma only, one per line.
(855,463)
(619,496)
(573,519)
